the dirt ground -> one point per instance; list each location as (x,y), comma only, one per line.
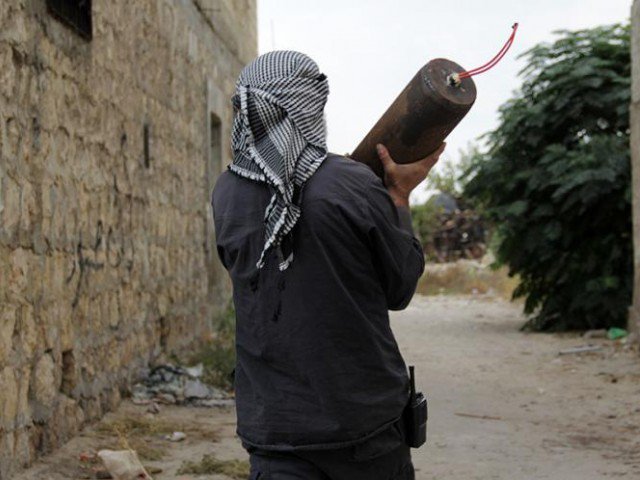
(503,405)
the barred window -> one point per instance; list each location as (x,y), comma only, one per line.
(73,13)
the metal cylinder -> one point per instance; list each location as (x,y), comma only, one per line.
(422,116)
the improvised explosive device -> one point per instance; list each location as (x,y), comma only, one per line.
(426,111)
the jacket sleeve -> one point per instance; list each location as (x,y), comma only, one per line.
(397,253)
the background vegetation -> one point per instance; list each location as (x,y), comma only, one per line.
(218,355)
(555,181)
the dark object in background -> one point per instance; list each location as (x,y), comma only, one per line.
(445,202)
(75,14)
(421,117)
(461,234)
(415,416)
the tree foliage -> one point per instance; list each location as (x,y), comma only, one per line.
(555,181)
(426,219)
(447,175)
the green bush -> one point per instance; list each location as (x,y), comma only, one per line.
(218,355)
(555,181)
(426,219)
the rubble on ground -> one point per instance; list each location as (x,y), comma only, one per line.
(176,385)
(123,465)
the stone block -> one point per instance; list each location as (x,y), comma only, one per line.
(28,207)
(7,327)
(6,454)
(28,335)
(23,417)
(45,381)
(9,398)
(11,204)
(8,73)
(47,108)
(14,26)
(24,451)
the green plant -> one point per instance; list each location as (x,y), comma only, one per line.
(555,181)
(209,464)
(448,175)
(466,277)
(426,220)
(218,356)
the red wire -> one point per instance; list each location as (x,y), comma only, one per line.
(490,64)
(494,61)
(486,67)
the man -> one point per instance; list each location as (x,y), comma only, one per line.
(318,250)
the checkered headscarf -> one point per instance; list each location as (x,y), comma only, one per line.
(279,137)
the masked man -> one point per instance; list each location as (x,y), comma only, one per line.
(318,250)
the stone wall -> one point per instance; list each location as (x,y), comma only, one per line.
(106,257)
(634,318)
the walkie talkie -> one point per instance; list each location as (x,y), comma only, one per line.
(415,415)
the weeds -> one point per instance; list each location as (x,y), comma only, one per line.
(466,277)
(237,469)
(131,432)
(218,356)
(137,427)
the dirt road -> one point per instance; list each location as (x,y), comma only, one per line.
(503,405)
(545,416)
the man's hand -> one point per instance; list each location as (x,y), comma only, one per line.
(401,179)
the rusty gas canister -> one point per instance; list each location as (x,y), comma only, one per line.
(421,117)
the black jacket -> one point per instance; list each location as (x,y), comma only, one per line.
(317,363)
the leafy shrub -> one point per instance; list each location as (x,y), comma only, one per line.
(555,180)
(426,219)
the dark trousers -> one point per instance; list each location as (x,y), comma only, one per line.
(342,464)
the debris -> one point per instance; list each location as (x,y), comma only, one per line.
(87,457)
(195,371)
(601,333)
(196,389)
(153,408)
(166,398)
(176,437)
(581,349)
(459,232)
(123,465)
(214,402)
(175,385)
(480,417)
(615,333)
(631,339)
(209,464)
